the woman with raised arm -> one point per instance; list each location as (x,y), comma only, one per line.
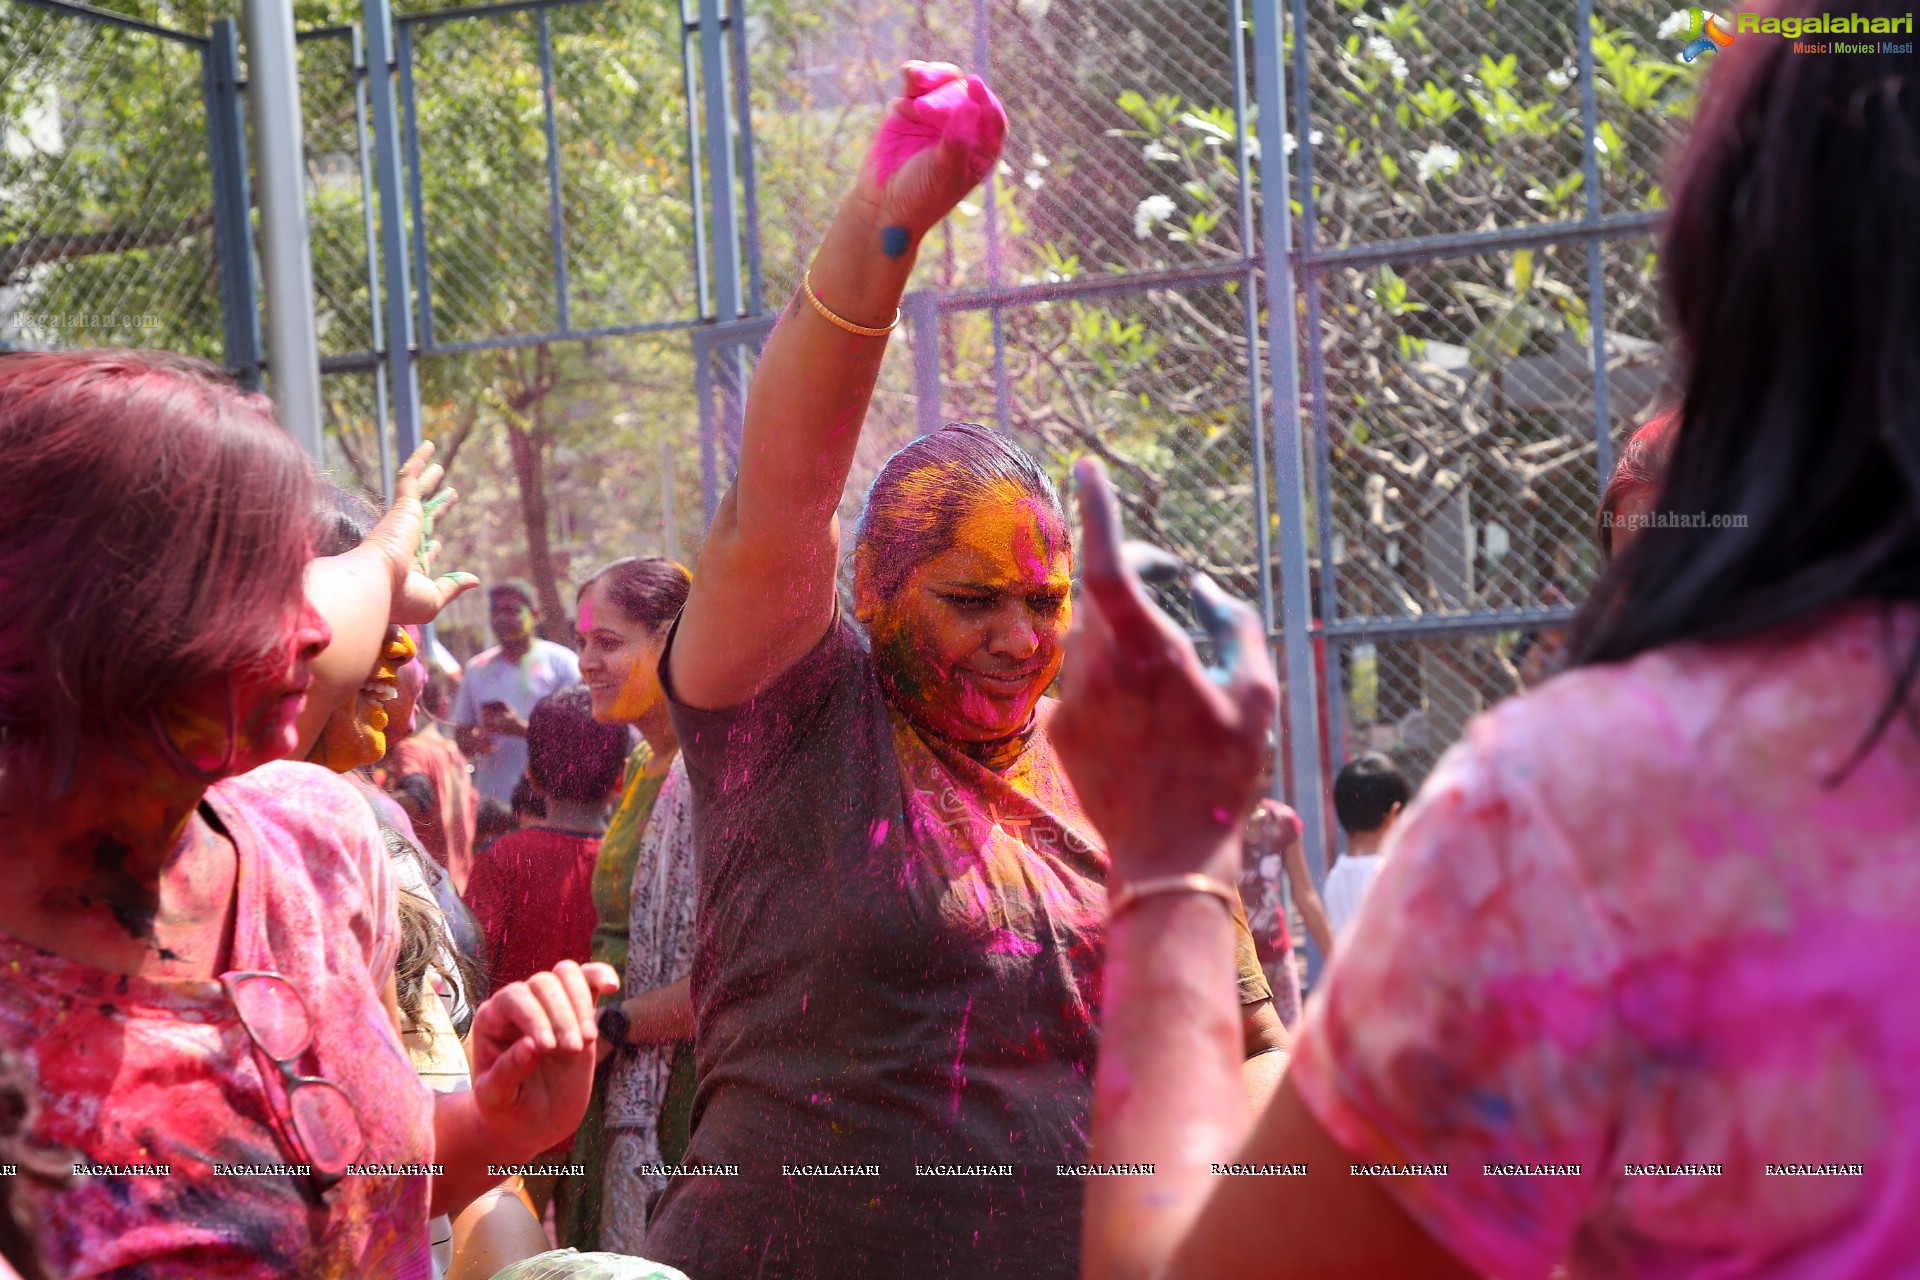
(1633,994)
(899,934)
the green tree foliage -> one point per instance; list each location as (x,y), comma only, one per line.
(1429,116)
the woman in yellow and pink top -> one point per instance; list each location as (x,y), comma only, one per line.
(1633,994)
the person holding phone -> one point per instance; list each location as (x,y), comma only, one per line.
(503,685)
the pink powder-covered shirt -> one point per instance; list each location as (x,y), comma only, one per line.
(1635,923)
(136,1072)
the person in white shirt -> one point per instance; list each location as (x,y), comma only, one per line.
(1367,798)
(501,687)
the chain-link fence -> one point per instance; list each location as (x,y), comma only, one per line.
(547,234)
(108,226)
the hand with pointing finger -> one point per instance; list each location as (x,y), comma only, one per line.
(1164,753)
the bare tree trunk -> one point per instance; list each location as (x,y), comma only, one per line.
(527,442)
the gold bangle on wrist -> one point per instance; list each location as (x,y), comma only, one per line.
(1133,891)
(839,321)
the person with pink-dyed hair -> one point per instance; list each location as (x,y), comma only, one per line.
(1634,488)
(199,935)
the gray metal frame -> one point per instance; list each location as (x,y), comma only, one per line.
(233,202)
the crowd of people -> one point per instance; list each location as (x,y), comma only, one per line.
(762,932)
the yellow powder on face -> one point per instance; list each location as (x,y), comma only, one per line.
(356,734)
(1009,530)
(201,739)
(640,692)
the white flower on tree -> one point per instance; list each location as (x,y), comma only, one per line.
(1437,161)
(1150,213)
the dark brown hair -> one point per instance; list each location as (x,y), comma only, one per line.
(647,590)
(1792,275)
(570,755)
(926,489)
(153,535)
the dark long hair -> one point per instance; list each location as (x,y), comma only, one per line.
(1792,274)
(648,590)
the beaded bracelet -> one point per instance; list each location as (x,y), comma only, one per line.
(1132,892)
(839,321)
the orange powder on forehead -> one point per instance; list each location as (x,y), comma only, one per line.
(978,496)
(1010,528)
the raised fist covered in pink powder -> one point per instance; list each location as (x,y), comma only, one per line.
(940,138)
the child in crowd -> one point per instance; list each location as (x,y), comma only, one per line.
(533,888)
(529,806)
(1273,852)
(1367,798)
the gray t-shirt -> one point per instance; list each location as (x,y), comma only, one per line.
(896,969)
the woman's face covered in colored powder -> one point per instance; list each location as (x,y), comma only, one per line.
(356,733)
(975,634)
(619,660)
(238,723)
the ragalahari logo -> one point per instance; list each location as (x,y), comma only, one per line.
(1705,33)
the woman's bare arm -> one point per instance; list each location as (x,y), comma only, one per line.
(1294,857)
(763,592)
(662,1014)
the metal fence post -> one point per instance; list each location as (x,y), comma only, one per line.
(1250,304)
(370,236)
(1289,478)
(403,381)
(709,451)
(1334,682)
(922,311)
(556,214)
(232,201)
(749,180)
(720,166)
(1596,260)
(286,254)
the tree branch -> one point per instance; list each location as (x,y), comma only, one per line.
(32,251)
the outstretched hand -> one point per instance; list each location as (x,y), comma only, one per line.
(534,1045)
(404,536)
(1164,753)
(940,138)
